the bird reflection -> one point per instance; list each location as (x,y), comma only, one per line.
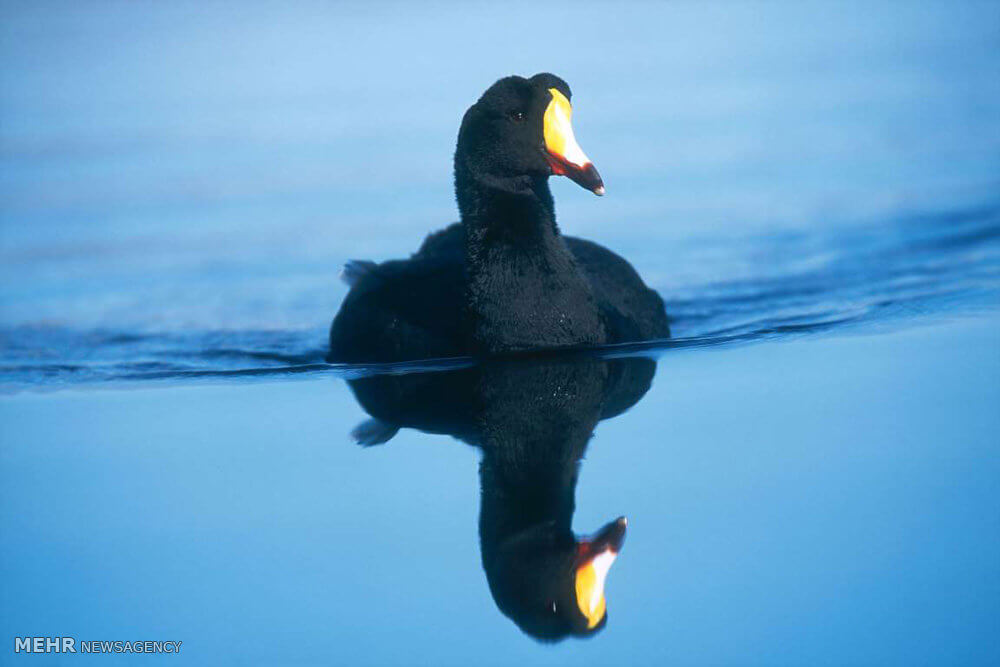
(532,419)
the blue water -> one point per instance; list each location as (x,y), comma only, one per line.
(812,188)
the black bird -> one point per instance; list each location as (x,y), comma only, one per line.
(503,280)
(532,420)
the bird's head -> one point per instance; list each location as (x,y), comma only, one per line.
(553,587)
(520,131)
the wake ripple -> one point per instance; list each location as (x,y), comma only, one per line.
(887,274)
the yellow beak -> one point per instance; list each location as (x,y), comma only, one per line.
(596,556)
(566,158)
(590,587)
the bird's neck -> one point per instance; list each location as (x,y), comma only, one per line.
(517,212)
(533,433)
(519,499)
(525,288)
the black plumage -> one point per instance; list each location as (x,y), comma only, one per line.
(504,279)
(533,421)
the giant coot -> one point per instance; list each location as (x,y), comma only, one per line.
(503,280)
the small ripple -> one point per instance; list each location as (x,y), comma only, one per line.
(893,272)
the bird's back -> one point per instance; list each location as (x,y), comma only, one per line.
(632,311)
(414,308)
(401,310)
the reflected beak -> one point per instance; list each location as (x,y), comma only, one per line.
(566,158)
(596,555)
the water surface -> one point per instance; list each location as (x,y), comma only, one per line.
(809,479)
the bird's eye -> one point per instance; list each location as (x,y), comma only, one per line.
(516,116)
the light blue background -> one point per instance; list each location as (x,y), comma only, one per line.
(177,167)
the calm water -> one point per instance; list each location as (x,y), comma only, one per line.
(809,478)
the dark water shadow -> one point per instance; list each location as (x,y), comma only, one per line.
(532,420)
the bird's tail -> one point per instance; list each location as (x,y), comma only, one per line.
(373,432)
(356,269)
